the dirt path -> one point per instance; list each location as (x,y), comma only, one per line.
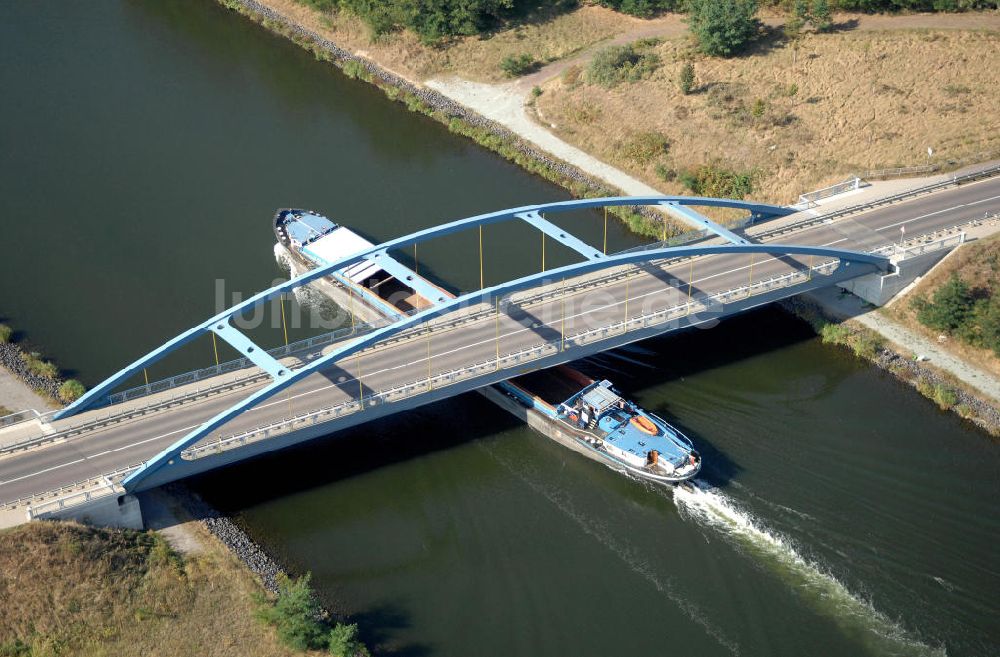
(16,396)
(673,25)
(504,103)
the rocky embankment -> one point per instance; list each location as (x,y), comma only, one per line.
(983,413)
(231,535)
(11,359)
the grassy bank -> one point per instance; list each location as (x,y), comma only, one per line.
(791,115)
(942,388)
(964,318)
(74,590)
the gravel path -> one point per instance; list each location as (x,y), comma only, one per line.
(504,104)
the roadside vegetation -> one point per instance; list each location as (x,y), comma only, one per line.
(958,304)
(71,590)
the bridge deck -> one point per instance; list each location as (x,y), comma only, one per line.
(404,359)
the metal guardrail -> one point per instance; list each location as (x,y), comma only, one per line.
(897,172)
(505,361)
(988,172)
(809,198)
(22,416)
(71,491)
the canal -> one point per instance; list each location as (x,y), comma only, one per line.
(145,147)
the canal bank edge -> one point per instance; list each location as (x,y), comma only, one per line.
(34,386)
(943,389)
(460,119)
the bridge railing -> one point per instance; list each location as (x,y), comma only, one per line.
(809,199)
(879,202)
(505,361)
(70,494)
(240,363)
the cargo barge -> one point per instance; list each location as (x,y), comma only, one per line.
(590,417)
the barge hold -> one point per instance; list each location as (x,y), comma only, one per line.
(590,417)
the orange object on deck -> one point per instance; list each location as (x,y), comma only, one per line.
(645,425)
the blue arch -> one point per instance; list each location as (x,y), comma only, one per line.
(220,323)
(449,305)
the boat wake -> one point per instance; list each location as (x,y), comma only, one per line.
(612,541)
(698,501)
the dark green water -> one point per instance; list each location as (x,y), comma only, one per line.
(145,146)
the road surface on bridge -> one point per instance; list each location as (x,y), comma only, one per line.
(383,366)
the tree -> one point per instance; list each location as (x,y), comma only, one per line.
(344,642)
(296,614)
(723,27)
(686,80)
(6,333)
(820,16)
(951,307)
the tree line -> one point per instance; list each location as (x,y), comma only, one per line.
(434,20)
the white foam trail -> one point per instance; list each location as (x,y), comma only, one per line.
(698,501)
(625,553)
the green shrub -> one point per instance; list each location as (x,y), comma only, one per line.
(713,180)
(616,64)
(642,8)
(71,390)
(944,396)
(40,367)
(354,69)
(343,641)
(686,79)
(517,65)
(723,28)
(759,107)
(643,147)
(295,615)
(664,173)
(6,333)
(820,16)
(951,307)
(536,91)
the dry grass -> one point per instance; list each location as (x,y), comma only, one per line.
(977,264)
(832,105)
(546,38)
(74,590)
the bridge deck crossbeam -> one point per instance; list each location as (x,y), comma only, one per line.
(249,348)
(564,237)
(685,213)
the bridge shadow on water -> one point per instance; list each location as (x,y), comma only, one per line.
(685,354)
(434,428)
(398,438)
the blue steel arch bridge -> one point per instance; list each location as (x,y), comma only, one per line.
(644,292)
